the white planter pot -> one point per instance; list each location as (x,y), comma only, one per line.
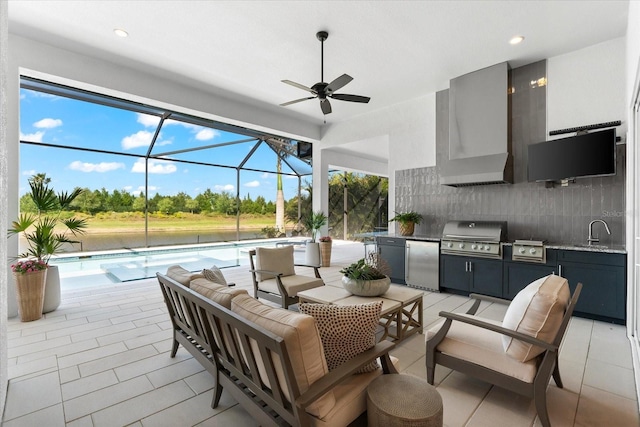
(52,289)
(312,254)
(366,288)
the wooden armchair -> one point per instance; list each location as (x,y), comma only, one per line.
(521,353)
(275,278)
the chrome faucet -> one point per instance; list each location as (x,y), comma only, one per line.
(592,239)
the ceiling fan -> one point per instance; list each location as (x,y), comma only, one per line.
(323,91)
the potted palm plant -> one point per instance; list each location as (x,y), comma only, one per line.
(407,221)
(366,277)
(313,223)
(45,233)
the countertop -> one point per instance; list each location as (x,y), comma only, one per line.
(613,249)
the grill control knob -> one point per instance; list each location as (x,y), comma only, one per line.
(487,247)
(474,246)
(521,250)
(532,251)
(461,245)
(449,244)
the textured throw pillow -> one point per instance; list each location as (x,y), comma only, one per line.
(346,330)
(537,310)
(214,275)
(182,276)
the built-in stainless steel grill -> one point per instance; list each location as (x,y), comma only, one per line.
(474,238)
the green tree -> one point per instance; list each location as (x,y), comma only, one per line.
(166,205)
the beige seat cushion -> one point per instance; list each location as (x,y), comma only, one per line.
(215,275)
(537,311)
(303,345)
(292,284)
(182,276)
(351,399)
(482,347)
(346,330)
(279,260)
(216,292)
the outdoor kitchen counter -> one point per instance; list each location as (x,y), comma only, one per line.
(413,237)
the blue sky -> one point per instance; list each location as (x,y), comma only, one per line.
(64,121)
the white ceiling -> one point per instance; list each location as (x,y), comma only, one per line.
(394,50)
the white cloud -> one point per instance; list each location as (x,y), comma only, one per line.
(127,187)
(140,190)
(139,139)
(29,173)
(265,175)
(155,166)
(252,184)
(95,167)
(48,123)
(205,134)
(147,120)
(226,187)
(33,137)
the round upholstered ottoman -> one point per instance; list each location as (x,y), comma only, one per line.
(396,400)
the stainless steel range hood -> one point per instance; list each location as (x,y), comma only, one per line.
(479,136)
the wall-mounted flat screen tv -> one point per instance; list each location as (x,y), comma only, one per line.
(589,154)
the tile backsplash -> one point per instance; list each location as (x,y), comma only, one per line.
(559,215)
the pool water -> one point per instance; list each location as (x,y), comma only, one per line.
(92,269)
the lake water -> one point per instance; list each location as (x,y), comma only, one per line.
(110,241)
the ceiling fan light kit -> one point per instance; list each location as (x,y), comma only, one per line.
(323,91)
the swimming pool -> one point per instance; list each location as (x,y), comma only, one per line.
(83,269)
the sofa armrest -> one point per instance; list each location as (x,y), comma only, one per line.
(345,370)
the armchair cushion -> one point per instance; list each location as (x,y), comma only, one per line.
(303,343)
(279,260)
(346,330)
(216,292)
(292,284)
(482,347)
(214,275)
(537,310)
(181,275)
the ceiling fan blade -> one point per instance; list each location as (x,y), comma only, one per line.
(325,106)
(296,100)
(299,86)
(351,98)
(338,83)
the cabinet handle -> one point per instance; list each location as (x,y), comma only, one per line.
(560,270)
(470,267)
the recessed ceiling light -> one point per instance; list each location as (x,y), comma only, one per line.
(516,39)
(120,32)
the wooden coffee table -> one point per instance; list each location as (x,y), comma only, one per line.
(400,305)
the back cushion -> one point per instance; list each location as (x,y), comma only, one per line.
(279,260)
(537,310)
(302,341)
(215,292)
(182,276)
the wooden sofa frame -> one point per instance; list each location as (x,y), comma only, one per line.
(220,340)
(547,362)
(284,299)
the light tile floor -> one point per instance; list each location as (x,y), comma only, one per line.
(102,359)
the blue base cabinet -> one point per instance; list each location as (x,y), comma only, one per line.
(603,278)
(392,251)
(471,275)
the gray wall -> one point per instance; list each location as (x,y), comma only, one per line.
(558,215)
(4,44)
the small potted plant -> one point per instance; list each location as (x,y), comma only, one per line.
(45,233)
(366,277)
(313,223)
(407,221)
(325,250)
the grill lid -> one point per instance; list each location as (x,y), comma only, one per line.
(484,231)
